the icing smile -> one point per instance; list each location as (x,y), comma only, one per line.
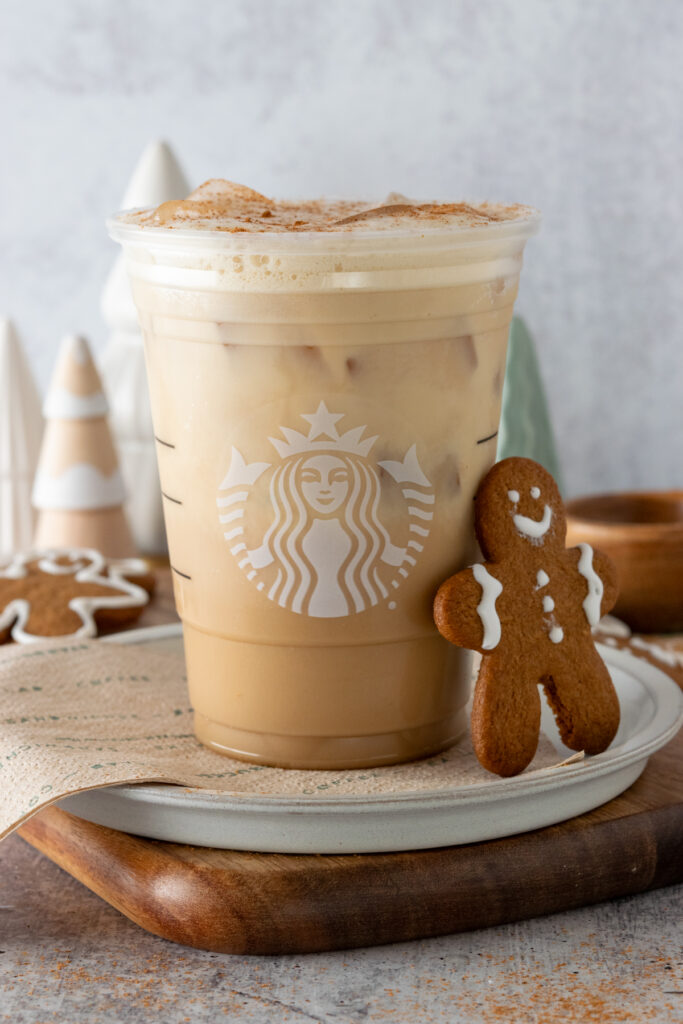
(534,528)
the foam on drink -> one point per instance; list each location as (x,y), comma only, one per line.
(220,205)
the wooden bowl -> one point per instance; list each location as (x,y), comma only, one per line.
(642,532)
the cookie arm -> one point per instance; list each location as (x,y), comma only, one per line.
(606,570)
(465,609)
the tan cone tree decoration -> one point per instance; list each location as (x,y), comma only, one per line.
(78,489)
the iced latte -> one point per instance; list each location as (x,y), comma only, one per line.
(326,381)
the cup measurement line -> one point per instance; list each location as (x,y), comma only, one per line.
(166,444)
(490,437)
(179,573)
(176,501)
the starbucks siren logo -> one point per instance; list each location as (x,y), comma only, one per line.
(326,552)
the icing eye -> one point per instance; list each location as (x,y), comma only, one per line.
(535,492)
(514,496)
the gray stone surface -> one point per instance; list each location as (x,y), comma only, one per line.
(572,106)
(69,957)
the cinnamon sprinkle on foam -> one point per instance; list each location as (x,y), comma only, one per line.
(220,205)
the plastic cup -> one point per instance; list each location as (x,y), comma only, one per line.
(325,405)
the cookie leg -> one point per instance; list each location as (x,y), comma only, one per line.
(506,718)
(584,702)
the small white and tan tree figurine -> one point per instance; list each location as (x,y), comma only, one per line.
(78,489)
(157,178)
(21,428)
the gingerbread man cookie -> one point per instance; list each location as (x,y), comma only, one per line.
(529,611)
(70,593)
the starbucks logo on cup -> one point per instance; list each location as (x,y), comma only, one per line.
(327,549)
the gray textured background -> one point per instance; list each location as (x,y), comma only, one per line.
(573,107)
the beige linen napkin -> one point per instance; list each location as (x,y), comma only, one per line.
(85,715)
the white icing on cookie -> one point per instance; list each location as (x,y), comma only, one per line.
(532,528)
(593,599)
(513,496)
(535,492)
(556,634)
(87,566)
(491,588)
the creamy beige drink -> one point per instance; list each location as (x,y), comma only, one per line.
(326,382)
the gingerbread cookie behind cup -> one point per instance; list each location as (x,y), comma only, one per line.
(529,611)
(70,592)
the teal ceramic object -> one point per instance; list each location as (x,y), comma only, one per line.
(525,425)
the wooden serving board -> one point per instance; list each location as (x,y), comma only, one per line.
(235,902)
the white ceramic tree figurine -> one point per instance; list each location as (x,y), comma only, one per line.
(78,489)
(157,178)
(21,428)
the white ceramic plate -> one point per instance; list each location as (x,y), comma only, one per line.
(651,713)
